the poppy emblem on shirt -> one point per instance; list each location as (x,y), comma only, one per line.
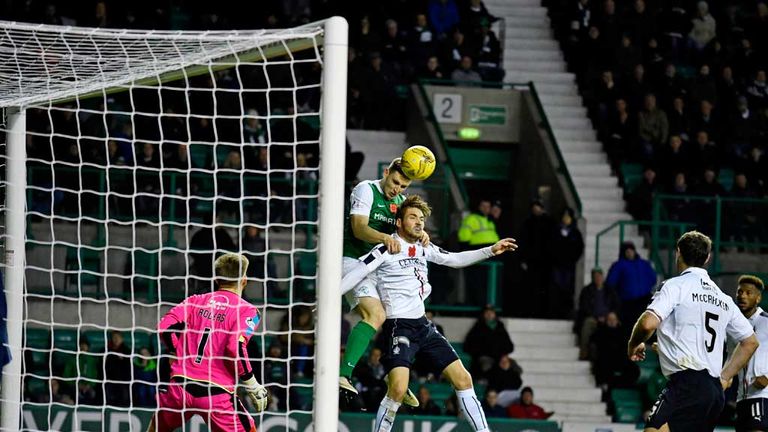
(412,251)
(393,208)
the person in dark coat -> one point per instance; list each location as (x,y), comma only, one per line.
(567,248)
(486,341)
(491,405)
(535,237)
(633,279)
(596,301)
(612,368)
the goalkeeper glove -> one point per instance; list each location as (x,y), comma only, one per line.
(256,393)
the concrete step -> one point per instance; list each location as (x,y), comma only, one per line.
(584,158)
(514,75)
(496,4)
(608,205)
(566,408)
(532,55)
(575,134)
(526,21)
(556,89)
(554,366)
(545,353)
(605,218)
(513,10)
(555,379)
(574,146)
(560,394)
(535,65)
(578,422)
(565,111)
(570,123)
(559,339)
(522,325)
(586,193)
(532,44)
(560,100)
(513,32)
(598,169)
(590,181)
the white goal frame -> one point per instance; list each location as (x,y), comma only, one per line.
(330,232)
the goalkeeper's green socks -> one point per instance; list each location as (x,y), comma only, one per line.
(357,343)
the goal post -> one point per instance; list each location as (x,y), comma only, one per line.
(109,229)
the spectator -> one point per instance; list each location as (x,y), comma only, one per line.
(422,41)
(671,160)
(206,243)
(465,72)
(474,15)
(117,367)
(744,224)
(580,21)
(704,154)
(640,203)
(85,369)
(253,131)
(727,89)
(706,120)
(444,16)
(744,130)
(427,406)
(670,86)
(262,265)
(486,341)
(606,95)
(535,252)
(756,168)
(489,54)
(432,69)
(394,48)
(300,337)
(478,230)
(567,248)
(380,81)
(757,91)
(56,395)
(633,279)
(526,409)
(145,377)
(679,209)
(612,368)
(704,86)
(710,186)
(652,127)
(637,87)
(640,23)
(704,27)
(627,56)
(620,135)
(595,302)
(370,376)
(275,372)
(679,123)
(505,379)
(491,406)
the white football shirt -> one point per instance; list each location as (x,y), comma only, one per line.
(758,364)
(402,278)
(695,319)
(361,198)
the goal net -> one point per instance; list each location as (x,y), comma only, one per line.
(131,159)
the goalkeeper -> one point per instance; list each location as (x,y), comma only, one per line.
(372,208)
(206,336)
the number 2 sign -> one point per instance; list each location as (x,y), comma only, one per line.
(447,107)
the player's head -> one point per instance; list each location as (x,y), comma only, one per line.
(411,216)
(395,181)
(230,271)
(749,294)
(693,249)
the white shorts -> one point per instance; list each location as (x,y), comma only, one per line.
(366,287)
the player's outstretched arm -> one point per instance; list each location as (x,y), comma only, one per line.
(644,328)
(367,263)
(467,258)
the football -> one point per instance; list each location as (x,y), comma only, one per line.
(418,162)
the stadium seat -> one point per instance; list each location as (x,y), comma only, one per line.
(632,175)
(145,269)
(38,344)
(80,259)
(628,405)
(65,345)
(726,178)
(96,340)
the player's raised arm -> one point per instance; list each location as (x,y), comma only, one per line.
(467,258)
(368,263)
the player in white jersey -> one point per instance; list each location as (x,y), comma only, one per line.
(752,402)
(403,286)
(693,318)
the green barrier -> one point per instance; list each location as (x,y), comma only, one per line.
(65,419)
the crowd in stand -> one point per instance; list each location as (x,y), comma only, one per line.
(680,88)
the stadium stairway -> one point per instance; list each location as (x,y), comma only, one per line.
(531,53)
(546,351)
(378,146)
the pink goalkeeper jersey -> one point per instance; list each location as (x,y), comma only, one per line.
(215,328)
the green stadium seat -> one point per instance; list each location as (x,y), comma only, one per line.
(97,340)
(65,345)
(38,344)
(632,174)
(726,178)
(201,155)
(628,414)
(79,259)
(145,269)
(625,397)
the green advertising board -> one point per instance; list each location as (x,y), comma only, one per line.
(495,115)
(65,419)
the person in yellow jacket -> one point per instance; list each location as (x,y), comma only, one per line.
(478,230)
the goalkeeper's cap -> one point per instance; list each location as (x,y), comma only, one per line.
(230,268)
